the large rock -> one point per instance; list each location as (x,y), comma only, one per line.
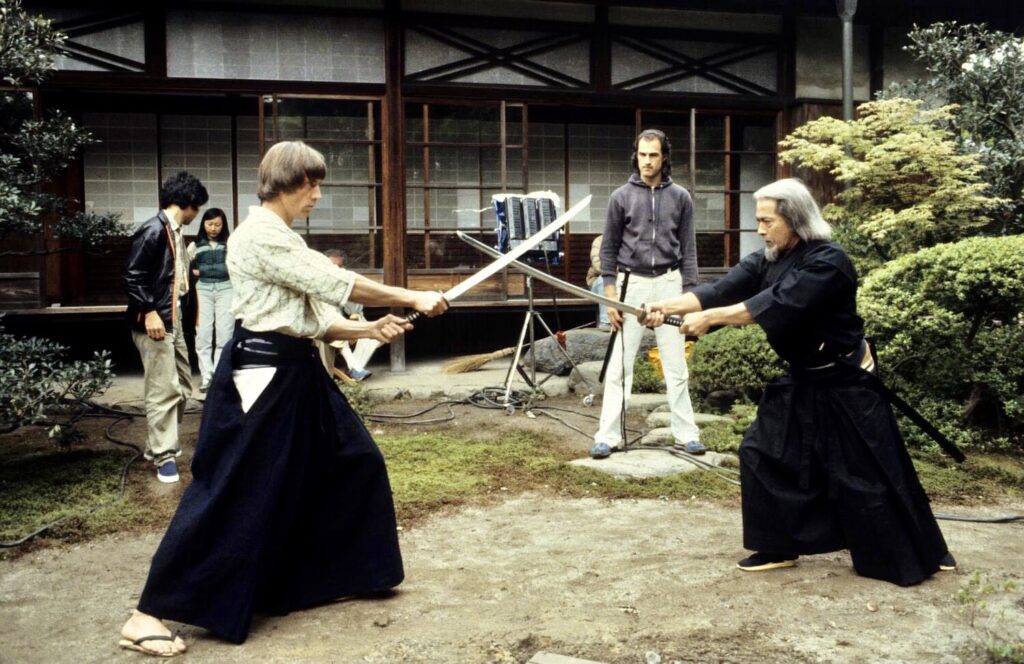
(586,345)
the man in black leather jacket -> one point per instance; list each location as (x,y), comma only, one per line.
(156,278)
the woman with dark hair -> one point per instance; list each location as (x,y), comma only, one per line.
(208,255)
(290,505)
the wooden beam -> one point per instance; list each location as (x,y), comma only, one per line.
(393,166)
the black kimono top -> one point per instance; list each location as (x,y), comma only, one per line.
(806,301)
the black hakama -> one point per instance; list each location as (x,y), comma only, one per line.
(289,505)
(823,468)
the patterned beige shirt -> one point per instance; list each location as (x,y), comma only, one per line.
(281,285)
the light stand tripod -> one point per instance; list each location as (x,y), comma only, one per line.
(528,326)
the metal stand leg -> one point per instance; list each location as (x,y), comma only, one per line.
(531,379)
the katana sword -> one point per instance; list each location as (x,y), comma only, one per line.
(639,312)
(503,260)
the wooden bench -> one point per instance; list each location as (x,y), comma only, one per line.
(20,290)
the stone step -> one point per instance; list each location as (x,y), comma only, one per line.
(647,463)
(663,418)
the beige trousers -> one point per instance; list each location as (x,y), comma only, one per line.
(168,384)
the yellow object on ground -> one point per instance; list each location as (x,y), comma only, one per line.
(654,356)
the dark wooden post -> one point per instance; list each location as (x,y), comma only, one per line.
(393,166)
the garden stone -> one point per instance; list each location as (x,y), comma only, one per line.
(663,418)
(586,345)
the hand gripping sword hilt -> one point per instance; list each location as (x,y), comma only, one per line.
(674,321)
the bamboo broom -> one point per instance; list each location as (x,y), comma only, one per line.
(474,362)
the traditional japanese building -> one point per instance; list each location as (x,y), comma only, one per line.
(426,108)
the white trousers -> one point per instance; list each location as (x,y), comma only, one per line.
(671,345)
(357,358)
(214,317)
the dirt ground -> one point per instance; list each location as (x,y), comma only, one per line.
(618,581)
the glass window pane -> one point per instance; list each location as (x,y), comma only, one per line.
(547,157)
(710,132)
(201,145)
(598,166)
(710,172)
(463,124)
(120,171)
(275,47)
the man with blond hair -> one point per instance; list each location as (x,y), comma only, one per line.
(290,505)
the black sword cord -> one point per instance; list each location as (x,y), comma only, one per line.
(611,339)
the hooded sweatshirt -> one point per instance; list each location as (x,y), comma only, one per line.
(649,230)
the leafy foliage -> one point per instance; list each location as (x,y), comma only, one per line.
(34,150)
(647,378)
(948,321)
(908,185)
(737,359)
(982,71)
(36,382)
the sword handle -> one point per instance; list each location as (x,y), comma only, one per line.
(674,321)
(415,316)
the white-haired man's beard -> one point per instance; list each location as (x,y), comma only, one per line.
(771,254)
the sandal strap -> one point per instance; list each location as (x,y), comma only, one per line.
(156,637)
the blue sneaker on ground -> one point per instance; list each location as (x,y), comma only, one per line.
(360,374)
(167,472)
(600,451)
(691,447)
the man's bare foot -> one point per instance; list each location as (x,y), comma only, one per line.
(141,625)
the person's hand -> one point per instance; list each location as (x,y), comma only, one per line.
(155,329)
(388,328)
(195,273)
(429,303)
(696,324)
(654,315)
(615,319)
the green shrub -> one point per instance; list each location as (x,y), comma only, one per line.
(908,185)
(737,359)
(948,325)
(646,377)
(39,387)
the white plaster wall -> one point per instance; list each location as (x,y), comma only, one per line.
(819,59)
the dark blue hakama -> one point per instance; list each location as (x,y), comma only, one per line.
(289,505)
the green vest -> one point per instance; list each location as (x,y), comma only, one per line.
(211,262)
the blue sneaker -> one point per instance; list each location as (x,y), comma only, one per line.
(600,451)
(167,472)
(360,375)
(692,447)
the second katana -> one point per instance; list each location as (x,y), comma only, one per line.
(640,312)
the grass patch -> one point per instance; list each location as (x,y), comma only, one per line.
(46,485)
(980,478)
(433,470)
(428,472)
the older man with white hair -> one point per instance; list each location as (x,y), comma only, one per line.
(823,467)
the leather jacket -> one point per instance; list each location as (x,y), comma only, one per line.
(149,273)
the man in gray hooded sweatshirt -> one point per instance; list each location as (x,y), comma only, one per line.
(648,234)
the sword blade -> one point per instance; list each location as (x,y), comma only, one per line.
(578,291)
(525,246)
